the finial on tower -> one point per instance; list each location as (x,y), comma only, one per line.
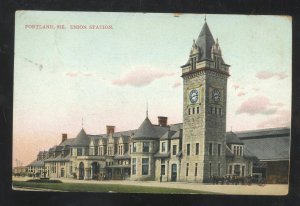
(205,18)
(147,110)
(82,122)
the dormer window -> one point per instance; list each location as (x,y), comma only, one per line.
(163,147)
(134,147)
(120,150)
(237,150)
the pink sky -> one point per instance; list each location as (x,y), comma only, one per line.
(106,77)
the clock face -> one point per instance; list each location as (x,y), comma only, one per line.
(216,95)
(194,96)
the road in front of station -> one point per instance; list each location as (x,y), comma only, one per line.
(254,189)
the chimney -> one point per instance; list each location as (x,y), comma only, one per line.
(110,129)
(162,121)
(64,137)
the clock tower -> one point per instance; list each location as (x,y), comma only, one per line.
(204,110)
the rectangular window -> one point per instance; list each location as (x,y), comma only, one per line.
(188,149)
(210,169)
(145,166)
(174,150)
(210,149)
(130,149)
(219,169)
(234,150)
(198,109)
(219,149)
(96,151)
(216,112)
(134,147)
(211,110)
(187,169)
(189,111)
(197,148)
(86,151)
(196,169)
(220,111)
(163,167)
(145,146)
(79,151)
(133,166)
(243,171)
(193,110)
(163,147)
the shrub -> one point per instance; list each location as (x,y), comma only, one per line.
(44,181)
(74,175)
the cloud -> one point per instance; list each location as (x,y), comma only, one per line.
(140,77)
(78,73)
(255,89)
(256,105)
(278,104)
(281,119)
(176,84)
(241,94)
(268,75)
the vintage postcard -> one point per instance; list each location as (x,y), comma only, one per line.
(152,103)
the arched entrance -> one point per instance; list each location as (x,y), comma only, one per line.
(81,171)
(174,173)
(95,170)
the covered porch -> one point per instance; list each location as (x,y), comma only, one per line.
(117,172)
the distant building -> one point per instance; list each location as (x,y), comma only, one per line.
(193,151)
(19,171)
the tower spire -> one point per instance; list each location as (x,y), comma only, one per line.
(82,122)
(205,18)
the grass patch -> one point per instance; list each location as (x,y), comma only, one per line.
(79,187)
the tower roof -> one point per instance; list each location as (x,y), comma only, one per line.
(146,131)
(205,41)
(81,139)
(232,138)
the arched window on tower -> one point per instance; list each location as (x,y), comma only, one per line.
(193,63)
(217,62)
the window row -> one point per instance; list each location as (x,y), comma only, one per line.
(145,166)
(216,111)
(188,149)
(237,170)
(211,149)
(194,110)
(146,147)
(196,169)
(238,150)
(102,150)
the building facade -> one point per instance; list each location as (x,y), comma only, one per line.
(193,151)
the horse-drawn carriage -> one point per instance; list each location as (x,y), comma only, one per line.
(232,179)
